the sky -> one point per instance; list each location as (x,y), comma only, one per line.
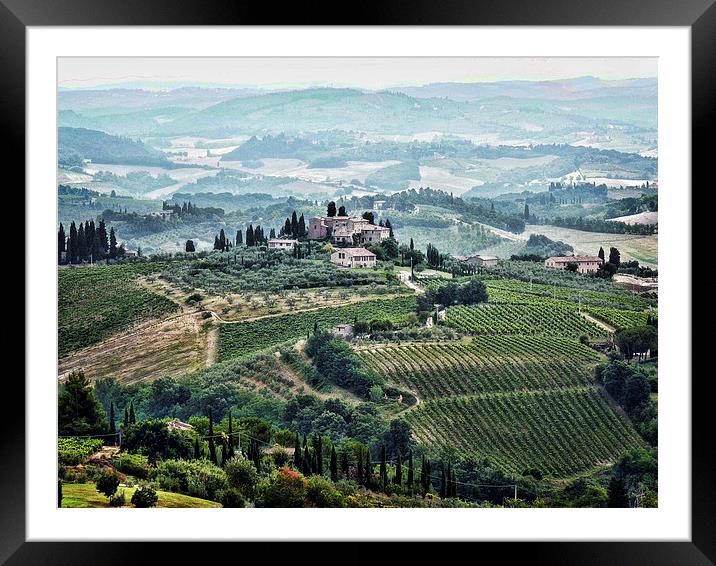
(374,73)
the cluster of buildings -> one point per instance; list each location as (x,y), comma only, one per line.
(342,229)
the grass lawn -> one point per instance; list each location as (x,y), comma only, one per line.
(86,495)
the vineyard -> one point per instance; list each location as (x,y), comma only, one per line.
(247,337)
(551,319)
(619,319)
(73,451)
(618,300)
(96,302)
(561,431)
(484,364)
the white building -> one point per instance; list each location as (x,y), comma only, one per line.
(585,263)
(373,234)
(483,260)
(282,244)
(353,257)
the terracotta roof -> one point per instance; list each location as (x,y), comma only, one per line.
(355,251)
(574,258)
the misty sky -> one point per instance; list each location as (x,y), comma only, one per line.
(358,72)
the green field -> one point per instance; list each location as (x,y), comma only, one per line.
(560,432)
(95,303)
(247,337)
(484,364)
(86,495)
(549,319)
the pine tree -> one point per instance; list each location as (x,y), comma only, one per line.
(132,416)
(334,464)
(212,444)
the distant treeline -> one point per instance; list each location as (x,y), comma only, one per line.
(87,243)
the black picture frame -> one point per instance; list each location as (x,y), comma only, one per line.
(699,15)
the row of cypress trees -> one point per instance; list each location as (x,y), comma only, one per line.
(87,243)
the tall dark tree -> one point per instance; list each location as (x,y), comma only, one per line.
(389,226)
(103,237)
(301,226)
(239,238)
(614,256)
(125,422)
(189,246)
(294,224)
(368,468)
(331,209)
(383,468)
(297,461)
(197,449)
(412,245)
(398,478)
(73,243)
(411,472)
(222,240)
(527,211)
(334,464)
(287,227)
(112,425)
(342,211)
(601,253)
(250,235)
(212,443)
(132,414)
(369,216)
(61,242)
(112,243)
(82,249)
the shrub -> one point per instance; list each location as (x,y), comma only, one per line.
(145,496)
(322,493)
(117,500)
(280,456)
(198,478)
(286,488)
(107,483)
(133,464)
(231,497)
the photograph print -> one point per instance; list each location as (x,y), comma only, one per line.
(356,282)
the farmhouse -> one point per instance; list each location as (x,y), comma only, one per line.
(585,263)
(341,229)
(353,257)
(282,244)
(483,260)
(176,424)
(343,329)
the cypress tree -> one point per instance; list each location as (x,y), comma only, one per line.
(112,243)
(212,444)
(250,235)
(61,246)
(222,240)
(239,238)
(389,226)
(398,478)
(287,227)
(331,209)
(294,224)
(73,243)
(112,426)
(601,253)
(132,416)
(82,251)
(197,449)
(126,418)
(368,468)
(342,211)
(383,468)
(301,226)
(412,245)
(344,463)
(410,471)
(334,464)
(297,454)
(361,474)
